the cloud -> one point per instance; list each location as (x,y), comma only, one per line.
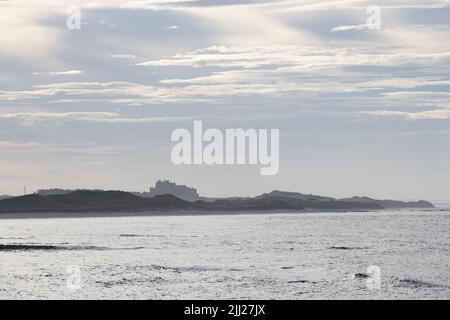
(414,95)
(21,22)
(172,27)
(292,56)
(350,28)
(59,73)
(286,60)
(78,148)
(246,70)
(326,5)
(135,94)
(122,56)
(59,115)
(91,91)
(17,144)
(301,70)
(438,114)
(105,117)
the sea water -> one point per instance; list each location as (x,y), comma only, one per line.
(245,256)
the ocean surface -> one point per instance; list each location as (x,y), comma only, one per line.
(372,255)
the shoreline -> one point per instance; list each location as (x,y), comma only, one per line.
(72,215)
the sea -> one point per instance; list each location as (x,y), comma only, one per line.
(320,255)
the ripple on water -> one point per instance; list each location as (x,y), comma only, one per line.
(51,247)
(415,283)
(347,248)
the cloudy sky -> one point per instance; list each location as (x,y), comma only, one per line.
(360,111)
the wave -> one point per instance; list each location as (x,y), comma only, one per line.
(126,248)
(195,269)
(158,267)
(292,242)
(51,247)
(415,283)
(45,247)
(301,281)
(347,248)
(125,235)
(127,281)
(26,247)
(17,238)
(132,235)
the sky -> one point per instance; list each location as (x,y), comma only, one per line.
(361,111)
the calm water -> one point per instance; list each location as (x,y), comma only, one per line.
(273,256)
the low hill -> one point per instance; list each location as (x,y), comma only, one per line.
(310,201)
(296,195)
(92,201)
(391,204)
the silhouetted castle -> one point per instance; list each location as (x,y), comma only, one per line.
(179,191)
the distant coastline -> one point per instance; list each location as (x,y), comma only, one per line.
(111,203)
